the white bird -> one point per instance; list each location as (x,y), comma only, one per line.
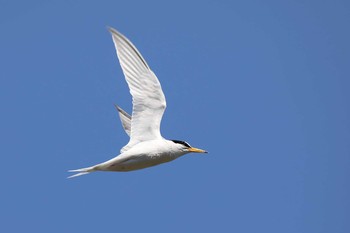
(146,146)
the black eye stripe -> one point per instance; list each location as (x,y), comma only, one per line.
(181,142)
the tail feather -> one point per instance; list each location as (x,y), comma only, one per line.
(82,171)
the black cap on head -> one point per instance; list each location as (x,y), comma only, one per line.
(182,143)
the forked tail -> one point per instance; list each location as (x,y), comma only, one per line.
(82,171)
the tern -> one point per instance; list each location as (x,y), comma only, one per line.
(146,147)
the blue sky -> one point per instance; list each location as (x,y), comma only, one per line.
(262,85)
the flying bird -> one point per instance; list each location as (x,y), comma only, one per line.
(146,146)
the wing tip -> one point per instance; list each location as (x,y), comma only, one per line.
(114,31)
(121,111)
(109,28)
(117,107)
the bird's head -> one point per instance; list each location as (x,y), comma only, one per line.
(184,146)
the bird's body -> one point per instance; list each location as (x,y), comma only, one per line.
(146,146)
(143,155)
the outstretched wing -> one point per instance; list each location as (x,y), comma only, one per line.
(147,95)
(125,118)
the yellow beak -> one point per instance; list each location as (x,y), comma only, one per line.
(196,150)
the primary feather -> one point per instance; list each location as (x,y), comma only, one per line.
(125,118)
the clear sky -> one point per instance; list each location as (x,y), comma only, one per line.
(262,85)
